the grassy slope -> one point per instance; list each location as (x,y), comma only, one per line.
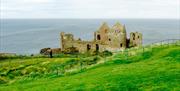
(161,71)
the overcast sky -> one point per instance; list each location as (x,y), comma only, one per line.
(90,9)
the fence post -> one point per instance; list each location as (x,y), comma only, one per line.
(9,64)
(81,64)
(168,42)
(176,42)
(143,51)
(151,49)
(105,59)
(126,54)
(57,70)
(163,44)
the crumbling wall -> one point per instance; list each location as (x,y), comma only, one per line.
(105,38)
(118,36)
(113,38)
(135,39)
(46,51)
(102,34)
(66,40)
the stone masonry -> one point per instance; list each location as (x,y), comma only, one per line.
(105,38)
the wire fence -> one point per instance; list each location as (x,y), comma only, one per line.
(150,48)
(79,63)
(126,54)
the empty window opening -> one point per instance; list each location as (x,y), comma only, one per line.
(88,47)
(109,39)
(121,45)
(117,31)
(97,47)
(138,37)
(133,36)
(98,37)
(105,30)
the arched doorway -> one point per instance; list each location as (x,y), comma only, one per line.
(88,47)
(121,45)
(98,37)
(133,36)
(97,47)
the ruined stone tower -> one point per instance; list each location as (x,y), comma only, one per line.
(135,39)
(66,40)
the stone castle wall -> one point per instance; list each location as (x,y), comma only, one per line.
(106,38)
(135,39)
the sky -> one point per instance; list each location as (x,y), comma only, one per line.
(168,9)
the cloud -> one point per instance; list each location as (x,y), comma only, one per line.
(36,1)
(90,8)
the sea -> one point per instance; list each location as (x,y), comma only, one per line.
(28,36)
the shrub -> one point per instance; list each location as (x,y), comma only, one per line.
(121,61)
(34,74)
(71,63)
(17,73)
(106,53)
(11,76)
(29,69)
(89,60)
(3,80)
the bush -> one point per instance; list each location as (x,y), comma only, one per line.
(90,60)
(71,63)
(121,61)
(29,69)
(17,73)
(61,55)
(34,74)
(11,76)
(3,80)
(106,53)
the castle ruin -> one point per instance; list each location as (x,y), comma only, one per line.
(105,38)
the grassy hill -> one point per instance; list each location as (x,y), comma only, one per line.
(154,69)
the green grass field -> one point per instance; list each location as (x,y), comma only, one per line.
(156,69)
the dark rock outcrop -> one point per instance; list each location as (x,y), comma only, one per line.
(46,51)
